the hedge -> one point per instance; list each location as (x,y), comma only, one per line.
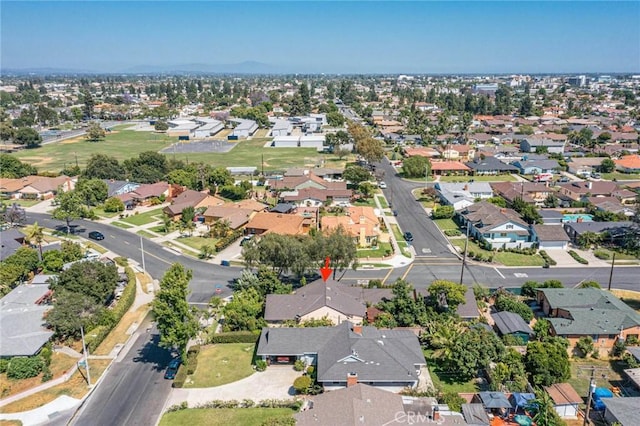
(547,259)
(452,232)
(235,337)
(192,359)
(24,368)
(126,300)
(181,376)
(228,240)
(577,257)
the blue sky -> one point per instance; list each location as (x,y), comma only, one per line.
(330,37)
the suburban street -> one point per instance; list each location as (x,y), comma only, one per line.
(134,390)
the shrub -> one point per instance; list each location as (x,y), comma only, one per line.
(505,302)
(547,258)
(48,375)
(577,258)
(602,254)
(452,232)
(261,365)
(443,212)
(298,365)
(453,400)
(24,368)
(181,377)
(121,261)
(301,384)
(4,363)
(228,240)
(235,337)
(584,346)
(45,354)
(113,205)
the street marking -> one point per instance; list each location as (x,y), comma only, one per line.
(159,258)
(426,250)
(407,271)
(520,275)
(126,242)
(170,250)
(499,273)
(387,276)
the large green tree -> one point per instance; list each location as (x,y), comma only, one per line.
(95,132)
(92,191)
(416,167)
(69,207)
(28,137)
(547,362)
(356,174)
(71,311)
(404,307)
(175,318)
(245,311)
(90,278)
(11,167)
(473,351)
(101,166)
(449,291)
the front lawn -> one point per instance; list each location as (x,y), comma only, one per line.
(197,243)
(221,364)
(621,176)
(504,257)
(445,224)
(369,202)
(100,212)
(380,251)
(447,382)
(22,202)
(224,416)
(144,218)
(383,201)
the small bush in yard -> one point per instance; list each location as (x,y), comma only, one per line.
(298,365)
(601,254)
(578,258)
(181,377)
(302,383)
(261,365)
(4,363)
(24,368)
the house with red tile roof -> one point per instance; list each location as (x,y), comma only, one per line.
(191,198)
(361,223)
(283,224)
(628,164)
(449,167)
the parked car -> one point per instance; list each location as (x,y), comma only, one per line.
(218,289)
(395,212)
(563,179)
(408,236)
(172,369)
(95,235)
(382,185)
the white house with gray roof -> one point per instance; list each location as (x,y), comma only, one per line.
(244,128)
(347,354)
(461,195)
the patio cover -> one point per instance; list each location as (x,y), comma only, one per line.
(494,400)
(521,400)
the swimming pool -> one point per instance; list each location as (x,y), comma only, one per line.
(578,217)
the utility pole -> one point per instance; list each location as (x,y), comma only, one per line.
(464,256)
(592,388)
(86,358)
(613,262)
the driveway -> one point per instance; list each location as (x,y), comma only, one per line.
(274,383)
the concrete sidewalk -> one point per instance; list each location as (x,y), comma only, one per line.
(44,414)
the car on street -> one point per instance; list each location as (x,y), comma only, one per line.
(408,236)
(218,289)
(395,212)
(172,369)
(382,185)
(95,235)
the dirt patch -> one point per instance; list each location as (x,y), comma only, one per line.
(37,161)
(73,140)
(60,364)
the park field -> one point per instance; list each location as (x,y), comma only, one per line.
(123,144)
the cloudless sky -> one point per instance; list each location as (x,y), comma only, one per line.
(330,37)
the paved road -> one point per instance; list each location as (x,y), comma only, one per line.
(157,258)
(134,390)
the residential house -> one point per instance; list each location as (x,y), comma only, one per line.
(496,227)
(234,216)
(191,198)
(535,167)
(551,217)
(615,229)
(35,187)
(533,144)
(314,197)
(10,241)
(490,166)
(319,299)
(628,164)
(360,404)
(469,309)
(361,223)
(457,152)
(622,411)
(23,331)
(306,180)
(550,237)
(348,354)
(119,187)
(281,128)
(580,190)
(530,192)
(578,312)
(449,168)
(461,195)
(146,193)
(512,324)
(283,224)
(566,400)
(584,166)
(284,208)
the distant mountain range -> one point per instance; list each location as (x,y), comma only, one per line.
(246,67)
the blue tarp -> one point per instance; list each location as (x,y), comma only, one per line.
(597,395)
(523,420)
(521,400)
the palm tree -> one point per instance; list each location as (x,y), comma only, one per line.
(35,235)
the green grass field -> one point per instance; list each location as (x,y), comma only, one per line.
(445,224)
(224,416)
(621,176)
(221,364)
(144,218)
(380,251)
(505,258)
(382,201)
(123,144)
(197,243)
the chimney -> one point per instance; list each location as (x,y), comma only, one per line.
(589,184)
(358,329)
(436,413)
(352,379)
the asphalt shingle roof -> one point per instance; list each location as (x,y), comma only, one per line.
(509,322)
